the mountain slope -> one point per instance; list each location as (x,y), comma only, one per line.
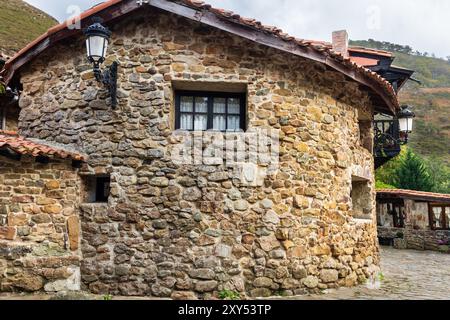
(430,100)
(20,23)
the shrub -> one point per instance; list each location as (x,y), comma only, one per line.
(229,295)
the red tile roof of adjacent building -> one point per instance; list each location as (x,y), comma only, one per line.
(372,51)
(366,62)
(23,146)
(317,48)
(412,194)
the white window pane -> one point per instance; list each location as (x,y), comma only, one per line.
(234,123)
(234,106)
(187,104)
(201,122)
(219,105)
(220,123)
(448,217)
(186,122)
(201,105)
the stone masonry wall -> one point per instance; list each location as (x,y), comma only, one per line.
(39,226)
(416,239)
(177,231)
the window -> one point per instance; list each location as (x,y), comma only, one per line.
(439,217)
(397,211)
(200,111)
(391,213)
(97,189)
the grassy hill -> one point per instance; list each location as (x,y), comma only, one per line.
(430,100)
(20,23)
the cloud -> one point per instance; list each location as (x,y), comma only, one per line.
(422,24)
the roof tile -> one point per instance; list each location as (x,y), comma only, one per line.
(23,146)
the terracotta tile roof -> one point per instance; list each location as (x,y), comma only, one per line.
(320,48)
(354,48)
(411,194)
(365,62)
(23,146)
(372,51)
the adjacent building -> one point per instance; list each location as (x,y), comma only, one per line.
(414,220)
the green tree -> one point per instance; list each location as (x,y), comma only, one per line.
(413,174)
(440,175)
(386,174)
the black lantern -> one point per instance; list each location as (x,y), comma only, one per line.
(405,120)
(97,44)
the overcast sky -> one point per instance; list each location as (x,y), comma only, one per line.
(422,24)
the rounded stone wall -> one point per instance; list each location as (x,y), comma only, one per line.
(187,230)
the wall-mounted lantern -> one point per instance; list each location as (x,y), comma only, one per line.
(405,120)
(97,44)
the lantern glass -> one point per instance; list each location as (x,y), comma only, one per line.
(406,124)
(96,48)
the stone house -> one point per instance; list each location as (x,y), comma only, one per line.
(95,198)
(414,220)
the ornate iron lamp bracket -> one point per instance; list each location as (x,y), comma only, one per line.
(109,79)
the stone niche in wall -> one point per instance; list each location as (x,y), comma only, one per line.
(361,198)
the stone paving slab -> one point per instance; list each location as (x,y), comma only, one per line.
(408,275)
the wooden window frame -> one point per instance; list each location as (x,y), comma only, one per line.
(210,113)
(444,221)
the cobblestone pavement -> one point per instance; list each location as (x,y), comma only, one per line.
(409,275)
